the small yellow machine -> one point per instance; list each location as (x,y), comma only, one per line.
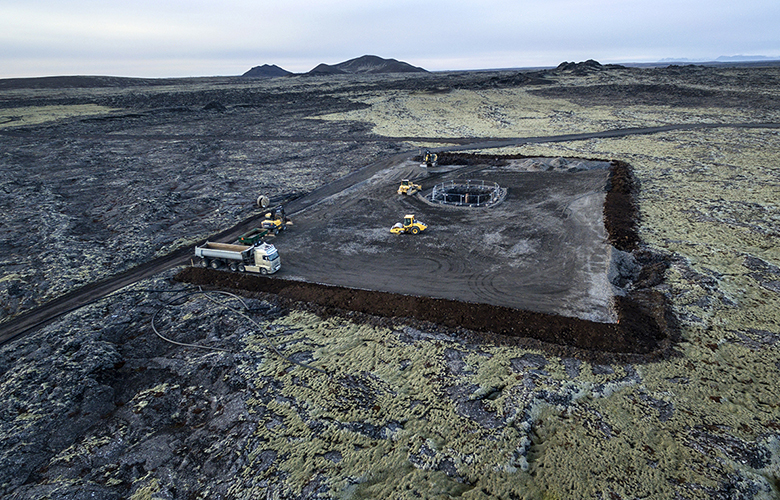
(430,160)
(275,220)
(408,187)
(409,225)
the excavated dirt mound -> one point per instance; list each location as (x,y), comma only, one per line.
(620,212)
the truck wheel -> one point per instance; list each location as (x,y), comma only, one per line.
(204,263)
(215,264)
(241,268)
(415,230)
(263,270)
(233,267)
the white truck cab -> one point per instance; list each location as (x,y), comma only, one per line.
(266,259)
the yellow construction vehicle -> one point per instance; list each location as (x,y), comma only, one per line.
(430,159)
(408,187)
(275,220)
(409,225)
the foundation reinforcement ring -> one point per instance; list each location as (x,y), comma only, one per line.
(468,193)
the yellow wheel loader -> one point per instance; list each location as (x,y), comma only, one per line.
(409,225)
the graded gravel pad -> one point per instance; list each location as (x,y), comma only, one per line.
(359,276)
(542,249)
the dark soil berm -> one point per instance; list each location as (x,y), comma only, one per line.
(643,327)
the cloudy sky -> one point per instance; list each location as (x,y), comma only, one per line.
(160,38)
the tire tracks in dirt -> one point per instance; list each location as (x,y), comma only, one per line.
(35,318)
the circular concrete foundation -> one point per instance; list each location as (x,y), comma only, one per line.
(467,193)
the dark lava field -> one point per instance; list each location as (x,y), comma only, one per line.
(353,373)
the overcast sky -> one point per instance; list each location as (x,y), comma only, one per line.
(161,38)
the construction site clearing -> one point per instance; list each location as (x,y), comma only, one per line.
(550,257)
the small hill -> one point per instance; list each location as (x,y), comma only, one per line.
(266,71)
(326,69)
(583,68)
(366,65)
(580,67)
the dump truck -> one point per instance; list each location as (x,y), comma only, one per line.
(409,225)
(261,258)
(408,187)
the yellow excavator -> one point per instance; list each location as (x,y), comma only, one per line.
(409,225)
(408,187)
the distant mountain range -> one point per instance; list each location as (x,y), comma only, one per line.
(360,65)
(739,58)
(744,58)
